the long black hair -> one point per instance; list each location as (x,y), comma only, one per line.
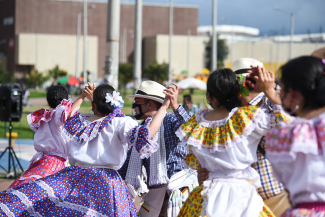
(223,85)
(55,95)
(306,75)
(100,100)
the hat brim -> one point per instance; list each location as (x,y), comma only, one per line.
(147,97)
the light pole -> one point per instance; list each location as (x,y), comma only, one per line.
(137,76)
(171,20)
(77,46)
(214,37)
(291,29)
(232,39)
(188,50)
(277,50)
(91,6)
(113,37)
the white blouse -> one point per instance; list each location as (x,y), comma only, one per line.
(46,125)
(108,148)
(236,159)
(297,154)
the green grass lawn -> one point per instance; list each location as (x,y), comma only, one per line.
(37,94)
(24,131)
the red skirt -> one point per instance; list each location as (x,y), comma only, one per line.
(47,165)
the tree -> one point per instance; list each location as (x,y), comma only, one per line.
(4,76)
(222,53)
(37,78)
(57,72)
(125,74)
(156,72)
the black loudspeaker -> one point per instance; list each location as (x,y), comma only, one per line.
(10,102)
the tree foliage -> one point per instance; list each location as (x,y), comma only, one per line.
(57,72)
(156,72)
(222,53)
(4,76)
(37,78)
(125,74)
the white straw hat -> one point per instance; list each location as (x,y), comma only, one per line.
(151,90)
(241,65)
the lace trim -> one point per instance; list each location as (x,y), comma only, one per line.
(79,129)
(149,144)
(220,147)
(6,210)
(49,190)
(206,188)
(24,199)
(36,118)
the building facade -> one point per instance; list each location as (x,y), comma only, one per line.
(57,18)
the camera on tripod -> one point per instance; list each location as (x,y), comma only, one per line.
(10,110)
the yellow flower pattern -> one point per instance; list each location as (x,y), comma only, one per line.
(223,133)
(192,162)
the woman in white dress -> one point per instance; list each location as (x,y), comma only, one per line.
(297,150)
(224,140)
(92,187)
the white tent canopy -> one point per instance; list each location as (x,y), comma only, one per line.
(192,83)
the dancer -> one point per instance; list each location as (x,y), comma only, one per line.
(296,151)
(166,176)
(92,187)
(272,191)
(52,149)
(224,141)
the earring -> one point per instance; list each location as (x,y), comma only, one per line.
(294,110)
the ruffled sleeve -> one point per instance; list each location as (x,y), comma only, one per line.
(79,129)
(60,114)
(301,136)
(142,140)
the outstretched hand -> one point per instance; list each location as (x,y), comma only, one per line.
(172,93)
(265,80)
(89,91)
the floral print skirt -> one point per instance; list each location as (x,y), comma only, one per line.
(193,205)
(73,191)
(47,165)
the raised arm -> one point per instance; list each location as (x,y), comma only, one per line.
(265,82)
(86,93)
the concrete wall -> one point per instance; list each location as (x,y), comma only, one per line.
(156,48)
(273,55)
(44,51)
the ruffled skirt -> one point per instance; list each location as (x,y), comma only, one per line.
(303,213)
(47,165)
(73,191)
(195,202)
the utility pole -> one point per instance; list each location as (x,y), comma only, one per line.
(292,26)
(214,37)
(137,75)
(171,20)
(85,42)
(113,36)
(188,50)
(77,45)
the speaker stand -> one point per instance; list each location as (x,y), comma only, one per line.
(11,156)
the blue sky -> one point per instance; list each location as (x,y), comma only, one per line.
(309,14)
